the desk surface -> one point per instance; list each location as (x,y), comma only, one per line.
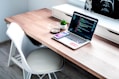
(100,57)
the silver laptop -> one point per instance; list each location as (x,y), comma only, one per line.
(80,31)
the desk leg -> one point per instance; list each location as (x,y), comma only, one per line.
(11,53)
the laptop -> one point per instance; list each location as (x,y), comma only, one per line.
(80,31)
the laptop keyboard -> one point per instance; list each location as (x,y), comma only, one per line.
(76,38)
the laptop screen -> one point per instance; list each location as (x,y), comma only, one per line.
(83,25)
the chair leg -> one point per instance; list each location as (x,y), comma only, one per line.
(26,75)
(49,75)
(12,52)
(55,75)
(29,76)
(41,77)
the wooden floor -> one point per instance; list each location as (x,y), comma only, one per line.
(70,70)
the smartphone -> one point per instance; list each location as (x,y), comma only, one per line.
(60,35)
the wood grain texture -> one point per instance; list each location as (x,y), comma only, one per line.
(100,57)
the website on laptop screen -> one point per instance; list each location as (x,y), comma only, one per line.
(83,25)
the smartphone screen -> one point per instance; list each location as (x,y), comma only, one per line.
(60,35)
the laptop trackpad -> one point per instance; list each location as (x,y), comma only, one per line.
(69,43)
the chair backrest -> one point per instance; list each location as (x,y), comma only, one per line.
(22,43)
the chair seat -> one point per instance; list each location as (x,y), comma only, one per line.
(44,61)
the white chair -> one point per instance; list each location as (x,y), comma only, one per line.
(32,59)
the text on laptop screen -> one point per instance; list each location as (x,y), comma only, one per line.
(83,25)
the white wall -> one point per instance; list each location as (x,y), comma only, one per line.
(8,8)
(38,4)
(13,7)
(79,3)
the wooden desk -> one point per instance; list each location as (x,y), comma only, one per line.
(100,57)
